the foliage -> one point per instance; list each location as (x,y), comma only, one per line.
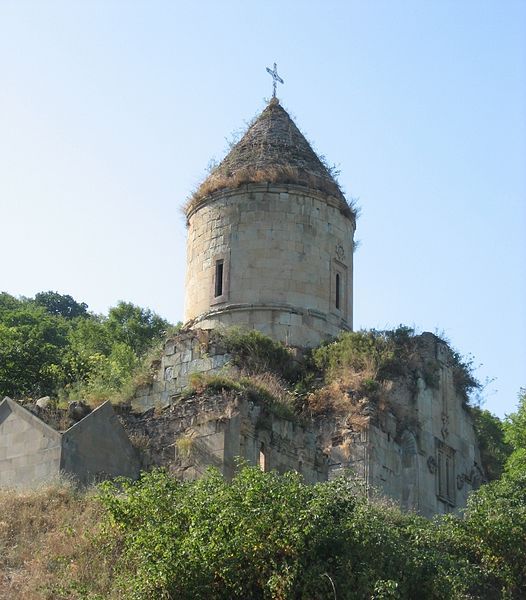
(32,346)
(263,535)
(463,377)
(61,304)
(385,353)
(490,541)
(515,426)
(494,450)
(185,446)
(255,352)
(51,345)
(135,326)
(389,354)
(271,536)
(515,435)
(357,369)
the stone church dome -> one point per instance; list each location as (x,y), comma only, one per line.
(270,239)
(273,150)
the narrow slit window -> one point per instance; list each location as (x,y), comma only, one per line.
(262,457)
(338,286)
(219,278)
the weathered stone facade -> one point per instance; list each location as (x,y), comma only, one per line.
(282,248)
(420,449)
(190,352)
(204,431)
(34,453)
(270,239)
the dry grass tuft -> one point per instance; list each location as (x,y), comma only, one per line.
(276,174)
(273,384)
(356,395)
(185,446)
(47,542)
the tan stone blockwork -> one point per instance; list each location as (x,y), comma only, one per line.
(280,245)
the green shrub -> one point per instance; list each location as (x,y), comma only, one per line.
(463,378)
(389,354)
(210,383)
(379,355)
(271,536)
(494,450)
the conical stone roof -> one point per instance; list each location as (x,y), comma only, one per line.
(273,150)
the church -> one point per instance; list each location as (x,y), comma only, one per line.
(270,239)
(270,248)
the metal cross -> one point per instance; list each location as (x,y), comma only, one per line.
(274,74)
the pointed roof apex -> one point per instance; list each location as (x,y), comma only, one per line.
(273,150)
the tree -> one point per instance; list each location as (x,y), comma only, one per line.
(137,327)
(63,305)
(494,449)
(32,345)
(51,343)
(515,435)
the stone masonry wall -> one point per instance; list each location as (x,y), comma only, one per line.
(29,449)
(282,247)
(32,453)
(183,354)
(420,449)
(199,432)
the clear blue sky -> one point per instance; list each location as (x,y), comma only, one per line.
(111,110)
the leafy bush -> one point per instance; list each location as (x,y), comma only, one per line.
(381,353)
(51,345)
(463,378)
(261,536)
(271,536)
(203,383)
(515,436)
(494,450)
(384,355)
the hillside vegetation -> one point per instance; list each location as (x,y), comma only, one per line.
(51,345)
(261,536)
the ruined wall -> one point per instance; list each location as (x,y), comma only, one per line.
(29,449)
(183,354)
(281,248)
(443,448)
(215,431)
(97,447)
(419,448)
(32,453)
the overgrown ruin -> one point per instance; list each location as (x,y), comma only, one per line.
(270,250)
